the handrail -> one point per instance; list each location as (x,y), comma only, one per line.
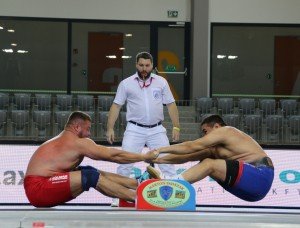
(255,95)
(171,72)
(54,91)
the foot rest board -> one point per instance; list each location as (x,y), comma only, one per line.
(124,203)
(166,195)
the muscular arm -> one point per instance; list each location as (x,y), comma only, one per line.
(121,157)
(212,139)
(90,149)
(182,158)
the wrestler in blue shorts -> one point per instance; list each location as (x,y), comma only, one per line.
(226,154)
(250,182)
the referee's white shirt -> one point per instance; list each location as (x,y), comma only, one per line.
(144,99)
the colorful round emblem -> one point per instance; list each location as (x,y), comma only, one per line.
(166,194)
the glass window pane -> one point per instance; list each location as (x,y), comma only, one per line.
(255,60)
(33,55)
(171,58)
(104,54)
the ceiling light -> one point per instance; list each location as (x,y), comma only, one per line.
(22,51)
(121,48)
(232,57)
(221,56)
(13,44)
(8,50)
(128,35)
(1,28)
(111,56)
(126,57)
(10,30)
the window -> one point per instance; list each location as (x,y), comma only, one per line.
(33,55)
(104,54)
(255,59)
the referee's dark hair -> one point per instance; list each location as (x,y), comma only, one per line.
(144,55)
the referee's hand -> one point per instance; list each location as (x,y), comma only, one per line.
(110,136)
(175,135)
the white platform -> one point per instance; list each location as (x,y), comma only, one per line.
(74,216)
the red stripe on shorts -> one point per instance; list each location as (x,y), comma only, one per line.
(241,167)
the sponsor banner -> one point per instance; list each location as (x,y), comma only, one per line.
(285,191)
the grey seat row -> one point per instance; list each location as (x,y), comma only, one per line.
(63,102)
(274,129)
(46,123)
(244,106)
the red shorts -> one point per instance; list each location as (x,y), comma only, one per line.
(48,191)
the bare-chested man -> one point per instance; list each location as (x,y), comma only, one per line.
(226,154)
(53,176)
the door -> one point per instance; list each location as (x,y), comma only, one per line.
(104,61)
(172,59)
(287,65)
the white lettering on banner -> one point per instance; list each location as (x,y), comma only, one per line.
(11,177)
(285,191)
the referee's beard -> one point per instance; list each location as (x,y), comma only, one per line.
(144,78)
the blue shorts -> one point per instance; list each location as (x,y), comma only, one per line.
(250,182)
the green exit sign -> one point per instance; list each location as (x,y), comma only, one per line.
(173,13)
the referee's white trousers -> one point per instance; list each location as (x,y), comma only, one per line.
(134,140)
